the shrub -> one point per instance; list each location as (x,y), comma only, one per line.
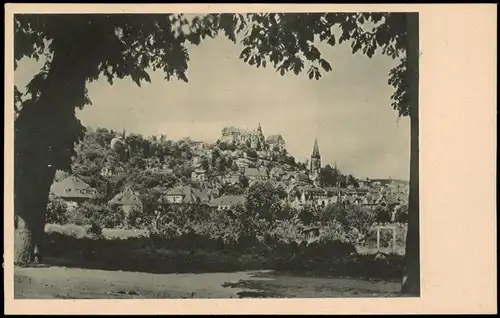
(360,218)
(56,211)
(333,212)
(402,214)
(90,214)
(112,216)
(135,218)
(335,231)
(95,228)
(383,214)
(75,216)
(285,232)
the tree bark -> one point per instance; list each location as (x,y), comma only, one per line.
(31,196)
(411,279)
(45,132)
(33,175)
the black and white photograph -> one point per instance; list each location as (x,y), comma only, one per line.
(216,155)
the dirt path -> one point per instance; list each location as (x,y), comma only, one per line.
(60,282)
(74,283)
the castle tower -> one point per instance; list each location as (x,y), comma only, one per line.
(260,140)
(315,159)
(259,130)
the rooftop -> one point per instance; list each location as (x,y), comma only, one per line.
(189,194)
(228,200)
(255,172)
(73,187)
(126,197)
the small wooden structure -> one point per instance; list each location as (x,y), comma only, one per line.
(386,227)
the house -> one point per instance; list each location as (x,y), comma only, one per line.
(197,160)
(364,183)
(227,201)
(264,155)
(187,195)
(276,173)
(107,172)
(198,174)
(387,199)
(197,146)
(243,162)
(165,169)
(361,191)
(276,142)
(110,171)
(290,178)
(369,201)
(302,177)
(254,174)
(127,199)
(73,190)
(308,194)
(232,179)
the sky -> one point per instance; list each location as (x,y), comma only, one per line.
(348,110)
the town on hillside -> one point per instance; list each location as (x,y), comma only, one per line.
(215,175)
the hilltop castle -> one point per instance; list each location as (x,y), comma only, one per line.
(252,138)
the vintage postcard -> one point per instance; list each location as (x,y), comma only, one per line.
(246,159)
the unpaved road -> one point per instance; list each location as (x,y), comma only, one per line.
(75,283)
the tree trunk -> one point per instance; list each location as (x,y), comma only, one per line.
(45,132)
(411,279)
(32,179)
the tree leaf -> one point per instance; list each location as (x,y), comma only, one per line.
(317,75)
(245,52)
(282,71)
(331,40)
(182,77)
(370,52)
(325,65)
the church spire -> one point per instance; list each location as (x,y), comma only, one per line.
(315,153)
(315,159)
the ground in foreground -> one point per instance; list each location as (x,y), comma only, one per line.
(74,283)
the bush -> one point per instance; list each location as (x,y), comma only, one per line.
(360,218)
(113,216)
(56,211)
(90,214)
(135,218)
(383,215)
(75,216)
(333,212)
(402,214)
(285,232)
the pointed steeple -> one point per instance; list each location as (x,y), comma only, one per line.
(315,153)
